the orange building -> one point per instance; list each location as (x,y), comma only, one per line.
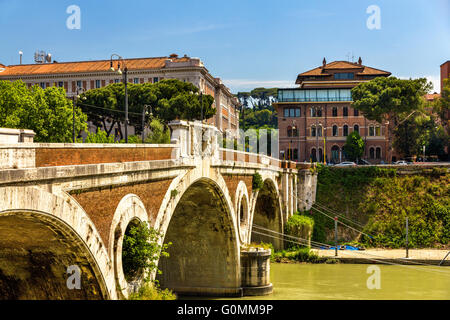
(315,119)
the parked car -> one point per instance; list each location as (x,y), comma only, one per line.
(363,162)
(346,164)
(401,163)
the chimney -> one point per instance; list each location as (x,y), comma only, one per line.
(360,61)
(173,56)
(324,63)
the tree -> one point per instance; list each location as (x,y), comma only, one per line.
(354,146)
(47,112)
(390,99)
(170,99)
(159,134)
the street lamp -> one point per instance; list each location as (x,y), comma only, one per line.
(125,80)
(144,112)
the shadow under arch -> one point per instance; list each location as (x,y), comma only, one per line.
(36,250)
(204,255)
(267,214)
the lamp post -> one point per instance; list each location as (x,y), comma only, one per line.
(144,112)
(125,80)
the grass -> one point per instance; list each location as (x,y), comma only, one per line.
(150,291)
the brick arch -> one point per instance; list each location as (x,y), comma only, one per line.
(130,208)
(265,201)
(242,209)
(60,228)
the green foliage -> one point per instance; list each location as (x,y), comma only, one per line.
(354,146)
(383,98)
(299,226)
(159,134)
(381,199)
(170,99)
(100,137)
(257,182)
(151,291)
(297,255)
(141,251)
(47,112)
(261,113)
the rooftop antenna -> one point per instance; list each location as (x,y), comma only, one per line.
(20,54)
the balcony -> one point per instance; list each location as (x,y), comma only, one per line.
(314,95)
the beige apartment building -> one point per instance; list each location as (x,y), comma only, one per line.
(96,74)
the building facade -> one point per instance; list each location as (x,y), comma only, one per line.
(96,74)
(315,119)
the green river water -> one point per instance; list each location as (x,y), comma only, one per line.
(349,281)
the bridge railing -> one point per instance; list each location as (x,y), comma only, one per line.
(38,155)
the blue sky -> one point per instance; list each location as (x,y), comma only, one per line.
(247,43)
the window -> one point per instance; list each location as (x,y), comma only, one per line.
(378,131)
(313,155)
(345,111)
(335,131)
(319,113)
(42,85)
(355,113)
(344,76)
(97,84)
(313,112)
(319,131)
(136,80)
(335,112)
(356,128)
(313,131)
(378,153)
(292,113)
(345,131)
(79,85)
(371,131)
(295,131)
(372,153)
(289,131)
(320,155)
(155,79)
(60,84)
(116,80)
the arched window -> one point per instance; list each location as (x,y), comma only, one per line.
(313,155)
(356,128)
(289,131)
(377,131)
(356,112)
(378,153)
(372,153)
(320,155)
(313,131)
(345,130)
(335,131)
(335,154)
(295,131)
(319,112)
(319,131)
(371,131)
(335,112)
(345,111)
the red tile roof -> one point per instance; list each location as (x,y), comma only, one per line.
(336,65)
(86,66)
(432,97)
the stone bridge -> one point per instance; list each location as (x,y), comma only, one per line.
(70,204)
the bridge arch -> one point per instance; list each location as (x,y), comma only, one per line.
(129,210)
(267,213)
(204,255)
(242,209)
(41,236)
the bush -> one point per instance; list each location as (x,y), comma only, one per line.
(141,251)
(159,134)
(299,226)
(99,137)
(151,291)
(257,182)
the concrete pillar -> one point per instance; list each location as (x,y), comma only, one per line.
(255,272)
(306,191)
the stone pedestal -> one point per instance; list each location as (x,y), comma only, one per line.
(255,272)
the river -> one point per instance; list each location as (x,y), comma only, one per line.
(349,281)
